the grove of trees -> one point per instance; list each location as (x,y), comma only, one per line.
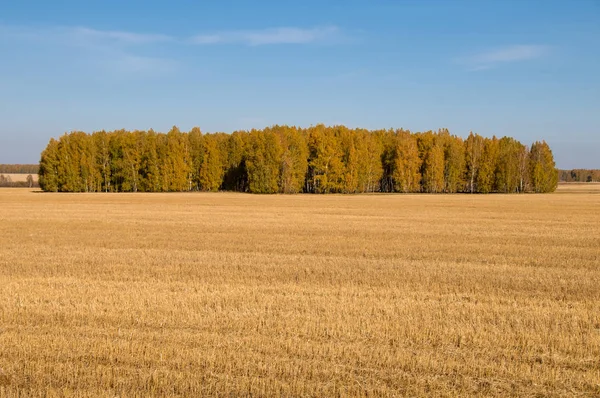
(283,159)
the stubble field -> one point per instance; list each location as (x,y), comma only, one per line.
(234,295)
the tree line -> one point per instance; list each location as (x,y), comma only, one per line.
(283,159)
(579,175)
(19,168)
(6,181)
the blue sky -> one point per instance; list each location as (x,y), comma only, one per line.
(528,69)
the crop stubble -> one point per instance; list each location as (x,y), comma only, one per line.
(305,295)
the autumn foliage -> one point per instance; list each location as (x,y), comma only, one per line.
(283,159)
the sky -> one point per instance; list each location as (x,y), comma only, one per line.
(526,69)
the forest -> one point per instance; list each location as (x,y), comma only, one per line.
(19,168)
(283,159)
(579,175)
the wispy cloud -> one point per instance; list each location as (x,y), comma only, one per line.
(119,36)
(134,52)
(85,35)
(139,65)
(283,35)
(80,35)
(504,55)
(112,51)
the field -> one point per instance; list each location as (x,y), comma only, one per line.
(233,295)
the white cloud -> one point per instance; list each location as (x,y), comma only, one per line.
(139,65)
(111,51)
(79,35)
(131,52)
(119,36)
(493,58)
(283,35)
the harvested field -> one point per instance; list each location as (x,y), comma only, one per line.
(231,294)
(579,187)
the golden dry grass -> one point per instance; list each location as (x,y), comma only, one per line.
(579,187)
(233,295)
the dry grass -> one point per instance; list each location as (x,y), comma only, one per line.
(579,187)
(233,295)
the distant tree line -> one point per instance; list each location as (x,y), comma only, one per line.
(19,168)
(6,181)
(283,159)
(579,175)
